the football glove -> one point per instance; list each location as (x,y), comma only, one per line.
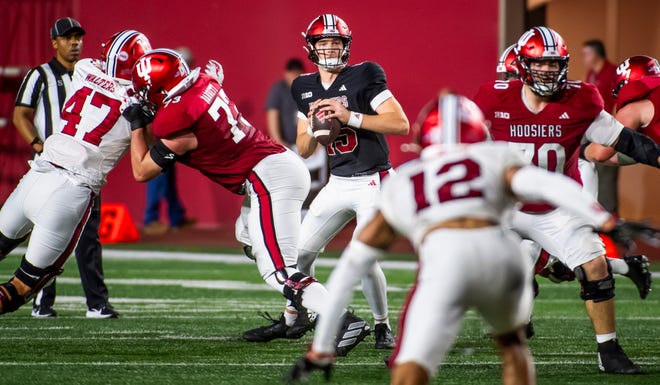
(138,115)
(214,69)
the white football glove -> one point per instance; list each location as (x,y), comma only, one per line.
(214,69)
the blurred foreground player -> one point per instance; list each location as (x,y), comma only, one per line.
(54,199)
(196,124)
(545,117)
(357,95)
(449,203)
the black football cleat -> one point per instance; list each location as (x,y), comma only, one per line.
(612,359)
(383,336)
(353,330)
(277,329)
(529,330)
(638,272)
(304,323)
(42,311)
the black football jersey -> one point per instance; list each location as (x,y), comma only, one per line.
(358,87)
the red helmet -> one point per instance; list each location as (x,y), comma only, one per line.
(121,52)
(540,44)
(450,119)
(633,68)
(325,26)
(506,65)
(157,73)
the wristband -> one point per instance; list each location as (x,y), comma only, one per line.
(36,140)
(355,120)
(309,130)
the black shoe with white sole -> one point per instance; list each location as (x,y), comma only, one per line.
(101,312)
(42,311)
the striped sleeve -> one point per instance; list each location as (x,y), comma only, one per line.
(28,94)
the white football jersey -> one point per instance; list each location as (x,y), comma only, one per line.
(448,183)
(93,135)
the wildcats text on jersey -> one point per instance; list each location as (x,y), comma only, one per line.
(535,130)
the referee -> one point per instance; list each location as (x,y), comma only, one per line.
(36,114)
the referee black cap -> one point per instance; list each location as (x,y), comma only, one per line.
(65,26)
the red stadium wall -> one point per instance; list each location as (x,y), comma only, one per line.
(422,46)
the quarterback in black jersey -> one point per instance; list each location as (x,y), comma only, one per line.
(358,96)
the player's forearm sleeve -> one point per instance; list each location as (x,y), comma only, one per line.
(639,147)
(353,264)
(534,184)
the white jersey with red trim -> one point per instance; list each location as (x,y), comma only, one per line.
(93,135)
(448,183)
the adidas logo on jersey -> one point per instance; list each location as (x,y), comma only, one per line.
(372,183)
(564,116)
(342,88)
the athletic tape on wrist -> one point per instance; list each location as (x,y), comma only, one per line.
(355,120)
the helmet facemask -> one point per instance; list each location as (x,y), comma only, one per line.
(542,82)
(330,59)
(143,97)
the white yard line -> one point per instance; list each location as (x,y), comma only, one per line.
(216,257)
(193,283)
(228,258)
(280,364)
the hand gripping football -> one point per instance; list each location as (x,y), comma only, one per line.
(325,130)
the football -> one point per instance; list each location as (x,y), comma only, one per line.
(325,130)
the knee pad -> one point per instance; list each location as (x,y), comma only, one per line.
(510,339)
(34,277)
(294,287)
(599,290)
(8,244)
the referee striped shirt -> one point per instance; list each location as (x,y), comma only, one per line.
(45,89)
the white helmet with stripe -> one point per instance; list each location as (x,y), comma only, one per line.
(121,52)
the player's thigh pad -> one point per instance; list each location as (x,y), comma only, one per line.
(506,296)
(328,213)
(561,234)
(59,216)
(451,272)
(278,186)
(14,222)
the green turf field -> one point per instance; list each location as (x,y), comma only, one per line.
(182,322)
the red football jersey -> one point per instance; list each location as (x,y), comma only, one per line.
(228,146)
(645,88)
(550,138)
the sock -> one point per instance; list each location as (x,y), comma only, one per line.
(383,320)
(290,314)
(619,266)
(374,287)
(600,338)
(314,297)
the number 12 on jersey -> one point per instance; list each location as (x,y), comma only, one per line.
(451,181)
